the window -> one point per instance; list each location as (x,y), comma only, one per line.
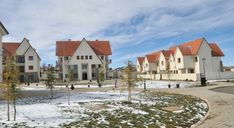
(86,57)
(30,67)
(30,57)
(93,75)
(90,57)
(21,68)
(179,60)
(84,66)
(146,65)
(77,57)
(66,58)
(162,63)
(195,59)
(82,57)
(102,57)
(21,59)
(66,75)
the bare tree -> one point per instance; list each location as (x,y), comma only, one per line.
(10,84)
(130,78)
(50,80)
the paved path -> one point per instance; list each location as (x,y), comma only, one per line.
(221,104)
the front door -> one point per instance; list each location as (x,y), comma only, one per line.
(84,76)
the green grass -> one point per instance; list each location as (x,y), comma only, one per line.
(155,117)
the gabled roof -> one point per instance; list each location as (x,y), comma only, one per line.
(152,57)
(10,47)
(4,29)
(167,53)
(215,50)
(140,60)
(68,48)
(185,50)
(193,46)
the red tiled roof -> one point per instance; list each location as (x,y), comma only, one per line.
(216,51)
(140,60)
(152,57)
(167,53)
(185,50)
(10,47)
(194,46)
(173,49)
(67,48)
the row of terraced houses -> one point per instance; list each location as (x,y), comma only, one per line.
(84,60)
(187,61)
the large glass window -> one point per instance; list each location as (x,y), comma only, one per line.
(84,66)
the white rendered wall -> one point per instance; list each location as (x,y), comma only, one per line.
(35,62)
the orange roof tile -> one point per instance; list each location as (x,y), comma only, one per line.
(194,45)
(216,51)
(167,53)
(67,48)
(10,47)
(140,60)
(152,57)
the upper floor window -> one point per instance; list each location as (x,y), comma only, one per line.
(20,59)
(77,57)
(66,58)
(102,57)
(195,59)
(30,57)
(86,57)
(162,62)
(84,66)
(90,57)
(179,60)
(146,65)
(81,57)
(30,67)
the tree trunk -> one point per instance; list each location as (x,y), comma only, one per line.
(8,109)
(51,92)
(68,100)
(8,103)
(14,103)
(129,94)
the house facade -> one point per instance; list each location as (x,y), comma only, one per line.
(27,59)
(190,60)
(83,60)
(139,64)
(3,32)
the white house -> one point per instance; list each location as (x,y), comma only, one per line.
(86,59)
(27,59)
(139,64)
(190,60)
(3,31)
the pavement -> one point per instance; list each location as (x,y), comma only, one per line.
(220,98)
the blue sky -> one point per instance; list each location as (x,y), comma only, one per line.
(133,27)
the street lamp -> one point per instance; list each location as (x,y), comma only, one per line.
(204,66)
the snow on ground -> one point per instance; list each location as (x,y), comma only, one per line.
(164,84)
(49,112)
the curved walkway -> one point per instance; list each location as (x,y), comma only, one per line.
(221,104)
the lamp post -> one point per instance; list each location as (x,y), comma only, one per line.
(204,66)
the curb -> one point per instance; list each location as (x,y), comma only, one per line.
(205,117)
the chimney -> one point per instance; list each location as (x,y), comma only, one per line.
(69,39)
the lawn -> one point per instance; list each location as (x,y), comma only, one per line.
(108,109)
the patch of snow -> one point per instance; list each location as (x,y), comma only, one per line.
(164,84)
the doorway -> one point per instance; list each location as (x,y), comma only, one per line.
(84,76)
